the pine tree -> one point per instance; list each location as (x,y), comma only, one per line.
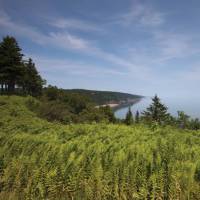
(137,117)
(129,117)
(156,112)
(183,119)
(11,68)
(32,81)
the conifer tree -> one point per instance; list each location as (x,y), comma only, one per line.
(11,68)
(32,81)
(15,74)
(137,117)
(156,112)
(183,119)
(129,117)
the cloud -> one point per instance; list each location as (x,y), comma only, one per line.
(63,40)
(175,45)
(65,67)
(140,63)
(141,14)
(67,41)
(64,23)
(163,47)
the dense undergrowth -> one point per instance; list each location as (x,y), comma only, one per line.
(42,160)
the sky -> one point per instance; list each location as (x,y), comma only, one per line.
(142,47)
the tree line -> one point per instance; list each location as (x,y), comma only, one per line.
(157,114)
(17,76)
(20,76)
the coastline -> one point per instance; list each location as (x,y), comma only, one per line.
(122,104)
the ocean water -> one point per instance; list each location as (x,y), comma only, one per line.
(190,106)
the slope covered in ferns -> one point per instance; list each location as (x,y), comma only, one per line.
(42,160)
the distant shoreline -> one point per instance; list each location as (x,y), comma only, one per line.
(122,104)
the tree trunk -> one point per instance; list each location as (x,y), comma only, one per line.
(2,87)
(11,87)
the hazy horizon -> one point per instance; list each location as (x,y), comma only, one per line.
(132,46)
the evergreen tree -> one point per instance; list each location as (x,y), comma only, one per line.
(11,67)
(156,112)
(195,124)
(137,117)
(16,75)
(183,120)
(32,81)
(129,117)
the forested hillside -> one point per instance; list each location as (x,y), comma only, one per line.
(43,160)
(104,97)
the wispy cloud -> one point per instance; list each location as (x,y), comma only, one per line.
(65,40)
(77,24)
(175,45)
(137,64)
(59,39)
(68,66)
(141,14)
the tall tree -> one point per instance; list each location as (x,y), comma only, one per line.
(137,117)
(156,111)
(32,82)
(11,67)
(183,120)
(129,117)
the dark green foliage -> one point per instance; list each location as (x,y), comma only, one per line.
(195,124)
(32,82)
(183,120)
(137,117)
(197,173)
(129,117)
(109,113)
(17,76)
(104,97)
(51,93)
(11,67)
(1,166)
(54,111)
(59,105)
(156,112)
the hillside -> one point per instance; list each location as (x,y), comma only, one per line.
(42,160)
(106,97)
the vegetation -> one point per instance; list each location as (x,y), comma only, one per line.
(156,112)
(137,117)
(16,75)
(42,160)
(57,105)
(53,148)
(21,77)
(104,97)
(129,117)
(157,115)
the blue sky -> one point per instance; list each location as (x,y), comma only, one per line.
(135,46)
